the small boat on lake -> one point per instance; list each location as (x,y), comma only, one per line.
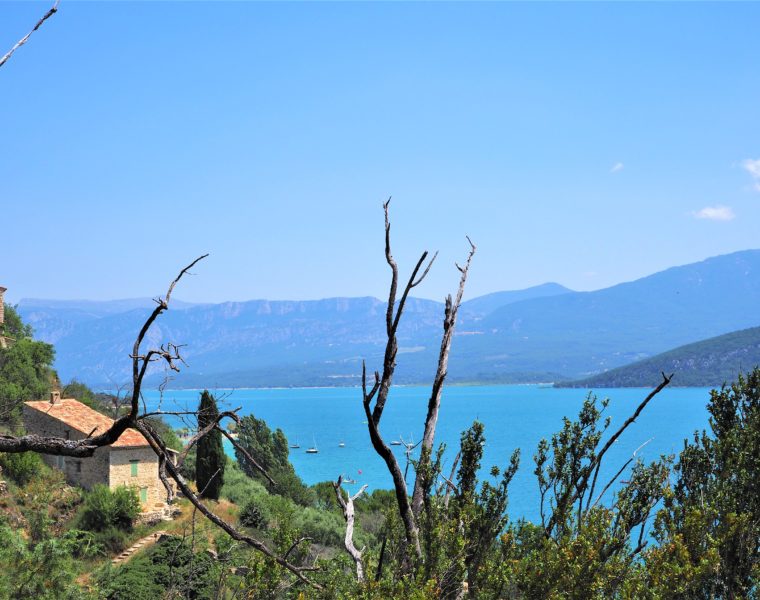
(313,449)
(296,444)
(395,443)
(341,444)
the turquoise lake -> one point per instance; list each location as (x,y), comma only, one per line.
(515,416)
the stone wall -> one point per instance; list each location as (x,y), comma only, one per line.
(147,474)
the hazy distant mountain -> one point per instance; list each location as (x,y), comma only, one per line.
(711,362)
(544,333)
(583,333)
(54,319)
(484,305)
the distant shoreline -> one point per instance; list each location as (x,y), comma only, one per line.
(546,385)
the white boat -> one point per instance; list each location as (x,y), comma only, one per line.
(313,449)
(341,444)
(296,445)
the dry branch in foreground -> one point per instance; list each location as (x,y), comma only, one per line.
(23,40)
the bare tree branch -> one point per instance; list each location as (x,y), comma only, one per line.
(86,447)
(382,385)
(23,40)
(203,432)
(434,404)
(581,487)
(295,545)
(174,473)
(614,477)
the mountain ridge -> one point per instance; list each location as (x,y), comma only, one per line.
(542,330)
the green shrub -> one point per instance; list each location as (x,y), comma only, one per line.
(21,467)
(104,508)
(168,569)
(111,539)
(253,515)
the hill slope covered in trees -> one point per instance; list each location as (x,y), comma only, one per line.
(711,362)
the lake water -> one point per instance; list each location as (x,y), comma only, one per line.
(515,416)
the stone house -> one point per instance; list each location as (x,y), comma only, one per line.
(129,461)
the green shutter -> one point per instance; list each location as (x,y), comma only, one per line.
(134,467)
(143,495)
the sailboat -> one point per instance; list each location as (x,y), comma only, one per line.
(341,444)
(296,445)
(313,449)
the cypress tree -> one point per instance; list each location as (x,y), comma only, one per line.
(210,454)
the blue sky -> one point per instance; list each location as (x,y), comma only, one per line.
(577,143)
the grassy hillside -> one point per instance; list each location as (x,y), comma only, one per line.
(711,362)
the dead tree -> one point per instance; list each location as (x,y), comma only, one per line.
(25,39)
(347,504)
(434,404)
(382,384)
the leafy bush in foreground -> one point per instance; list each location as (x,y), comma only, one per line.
(104,509)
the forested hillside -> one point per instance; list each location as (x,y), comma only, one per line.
(710,362)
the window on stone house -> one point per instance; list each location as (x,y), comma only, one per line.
(78,466)
(143,495)
(134,464)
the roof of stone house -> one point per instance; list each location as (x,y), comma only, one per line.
(84,419)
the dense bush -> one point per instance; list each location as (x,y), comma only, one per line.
(104,509)
(253,515)
(169,569)
(21,467)
(37,570)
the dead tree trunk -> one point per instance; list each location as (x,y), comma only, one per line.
(347,504)
(434,404)
(382,386)
(383,382)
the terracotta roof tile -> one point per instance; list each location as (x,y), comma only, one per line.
(84,419)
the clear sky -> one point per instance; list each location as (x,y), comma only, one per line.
(586,144)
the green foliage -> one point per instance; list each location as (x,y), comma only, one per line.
(104,509)
(80,391)
(709,529)
(25,369)
(188,466)
(21,467)
(14,327)
(709,362)
(41,570)
(253,515)
(459,522)
(210,458)
(270,450)
(166,432)
(584,547)
(172,568)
